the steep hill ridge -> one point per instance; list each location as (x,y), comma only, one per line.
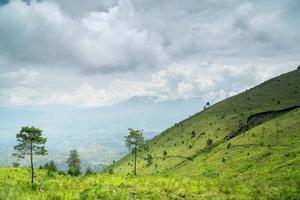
(221,122)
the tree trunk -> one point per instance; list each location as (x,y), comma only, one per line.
(135,156)
(31,163)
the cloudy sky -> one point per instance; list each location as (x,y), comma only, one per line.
(97,53)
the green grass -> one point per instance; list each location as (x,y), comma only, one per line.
(15,184)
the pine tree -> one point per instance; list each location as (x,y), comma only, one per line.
(134,142)
(74,163)
(30,142)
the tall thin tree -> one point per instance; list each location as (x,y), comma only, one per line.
(30,142)
(134,142)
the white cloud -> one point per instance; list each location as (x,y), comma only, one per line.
(101,41)
(23,76)
(186,79)
(103,53)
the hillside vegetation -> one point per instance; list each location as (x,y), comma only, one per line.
(185,139)
(247,147)
(244,147)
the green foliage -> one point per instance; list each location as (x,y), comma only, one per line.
(228,146)
(50,166)
(15,164)
(165,153)
(61,172)
(73,161)
(209,143)
(14,186)
(193,134)
(149,160)
(30,142)
(220,120)
(135,142)
(89,171)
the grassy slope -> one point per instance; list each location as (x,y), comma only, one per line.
(215,123)
(262,163)
(15,184)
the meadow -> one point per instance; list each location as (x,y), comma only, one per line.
(14,184)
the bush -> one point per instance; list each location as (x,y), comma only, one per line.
(193,134)
(209,143)
(165,153)
(16,164)
(149,159)
(228,146)
(61,172)
(51,167)
(262,144)
(75,172)
(89,171)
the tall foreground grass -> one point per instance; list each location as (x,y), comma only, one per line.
(15,184)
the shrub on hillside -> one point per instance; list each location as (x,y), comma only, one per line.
(16,164)
(165,153)
(209,143)
(50,166)
(89,171)
(149,160)
(193,134)
(61,172)
(228,146)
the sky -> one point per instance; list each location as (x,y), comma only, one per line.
(99,53)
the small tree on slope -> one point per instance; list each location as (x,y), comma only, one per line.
(134,142)
(30,142)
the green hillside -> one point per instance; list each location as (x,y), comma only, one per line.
(185,139)
(254,154)
(248,147)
